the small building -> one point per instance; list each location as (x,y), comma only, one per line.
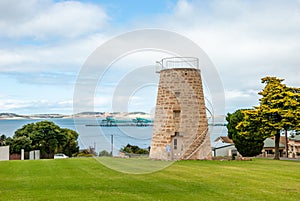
(269,148)
(223,146)
(294,146)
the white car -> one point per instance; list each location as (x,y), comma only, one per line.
(59,156)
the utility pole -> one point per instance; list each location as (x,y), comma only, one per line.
(112,144)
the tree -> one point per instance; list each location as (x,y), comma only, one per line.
(48,137)
(104,153)
(279,109)
(233,120)
(18,143)
(243,129)
(43,135)
(69,143)
(132,149)
(2,140)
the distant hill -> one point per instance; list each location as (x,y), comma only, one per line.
(12,115)
(46,116)
(90,113)
(119,115)
(7,115)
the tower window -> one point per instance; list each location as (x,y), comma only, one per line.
(177,94)
(175,143)
(176,113)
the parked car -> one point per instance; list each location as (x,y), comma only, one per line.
(59,156)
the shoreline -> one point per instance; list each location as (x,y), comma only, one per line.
(120,115)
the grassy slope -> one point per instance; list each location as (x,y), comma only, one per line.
(87,179)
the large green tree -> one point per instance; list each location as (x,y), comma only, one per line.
(243,129)
(47,137)
(279,109)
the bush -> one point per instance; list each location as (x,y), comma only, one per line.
(104,153)
(132,149)
(248,147)
(84,155)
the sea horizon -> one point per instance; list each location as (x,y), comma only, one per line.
(97,136)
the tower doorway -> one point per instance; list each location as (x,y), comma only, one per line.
(177,146)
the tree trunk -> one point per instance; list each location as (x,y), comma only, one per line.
(277,139)
(286,144)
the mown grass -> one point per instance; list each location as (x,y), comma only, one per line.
(88,179)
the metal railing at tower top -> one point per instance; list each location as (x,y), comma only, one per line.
(177,62)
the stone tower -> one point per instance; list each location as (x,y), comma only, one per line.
(180,130)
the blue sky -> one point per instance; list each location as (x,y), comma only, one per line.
(44,44)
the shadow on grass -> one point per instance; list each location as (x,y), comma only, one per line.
(134,165)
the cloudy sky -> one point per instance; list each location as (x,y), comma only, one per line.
(45,43)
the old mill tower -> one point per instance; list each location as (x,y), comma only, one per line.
(180,130)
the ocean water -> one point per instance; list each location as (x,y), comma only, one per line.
(102,138)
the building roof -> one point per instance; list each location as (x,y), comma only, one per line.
(222,146)
(295,138)
(224,139)
(270,143)
(281,139)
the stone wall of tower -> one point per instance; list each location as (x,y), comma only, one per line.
(180,108)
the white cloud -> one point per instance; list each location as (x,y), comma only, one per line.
(66,56)
(240,99)
(14,58)
(183,9)
(233,94)
(246,41)
(18,11)
(35,106)
(48,37)
(44,19)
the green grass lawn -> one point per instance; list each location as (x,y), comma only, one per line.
(87,179)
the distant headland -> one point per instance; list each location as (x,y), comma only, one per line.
(119,115)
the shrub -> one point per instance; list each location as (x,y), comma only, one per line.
(104,153)
(132,149)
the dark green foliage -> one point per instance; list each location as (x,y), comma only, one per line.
(279,109)
(104,153)
(86,153)
(233,120)
(46,137)
(132,149)
(142,151)
(18,143)
(248,147)
(70,145)
(2,140)
(247,138)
